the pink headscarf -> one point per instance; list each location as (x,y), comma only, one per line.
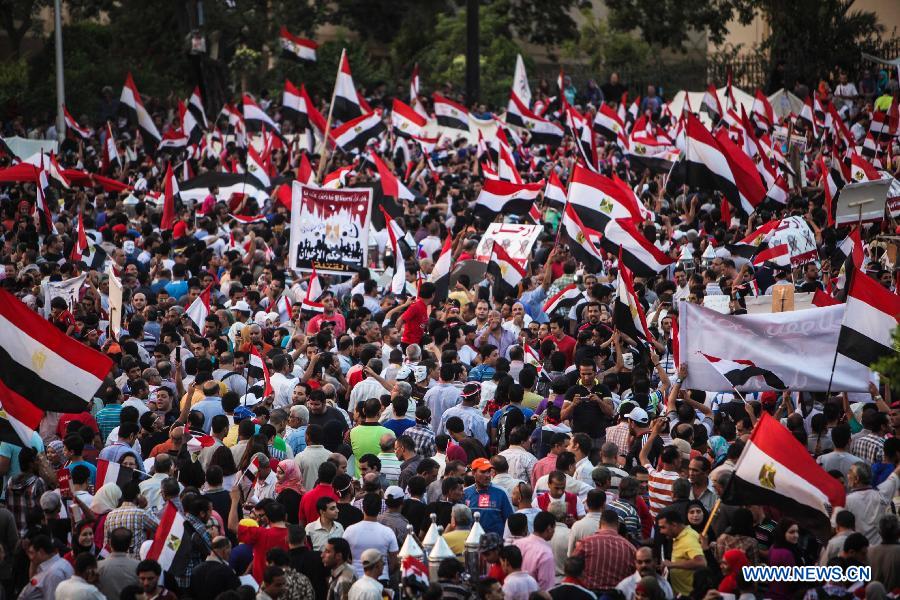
(292,480)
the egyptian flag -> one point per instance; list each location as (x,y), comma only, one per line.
(762,111)
(190,125)
(414,93)
(167,221)
(711,104)
(871,315)
(112,472)
(110,151)
(297,48)
(293,105)
(81,243)
(778,191)
(580,129)
(390,184)
(398,281)
(628,314)
(779,255)
(753,243)
(195,105)
(776,470)
(506,165)
(199,309)
(72,124)
(807,116)
(249,219)
(355,133)
(599,200)
(608,124)
(541,130)
(347,105)
(258,369)
(555,193)
(405,121)
(564,299)
(583,241)
(869,147)
(449,113)
(255,118)
(862,170)
(173,139)
(635,251)
(738,372)
(851,249)
(503,197)
(337,178)
(508,273)
(131,99)
(283,308)
(440,274)
(311,304)
(256,167)
(712,164)
(171,546)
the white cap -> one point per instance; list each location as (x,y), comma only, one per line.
(394,492)
(242,306)
(639,415)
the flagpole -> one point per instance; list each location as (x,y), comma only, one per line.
(324,156)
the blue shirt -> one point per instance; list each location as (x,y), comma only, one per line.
(399,426)
(177,289)
(492,503)
(209,407)
(93,476)
(533,302)
(296,440)
(11,451)
(495,419)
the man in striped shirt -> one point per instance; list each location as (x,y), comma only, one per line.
(661,480)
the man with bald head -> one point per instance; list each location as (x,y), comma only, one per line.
(645,566)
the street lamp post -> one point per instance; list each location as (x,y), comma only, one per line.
(60,81)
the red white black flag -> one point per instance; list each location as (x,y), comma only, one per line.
(297,48)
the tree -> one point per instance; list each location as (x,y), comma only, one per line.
(605,49)
(889,366)
(444,61)
(17,17)
(810,36)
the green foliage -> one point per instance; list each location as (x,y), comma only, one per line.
(667,23)
(13,82)
(444,62)
(889,366)
(607,49)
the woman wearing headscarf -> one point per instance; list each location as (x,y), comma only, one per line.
(697,515)
(732,563)
(106,499)
(83,541)
(785,552)
(56,455)
(648,588)
(289,488)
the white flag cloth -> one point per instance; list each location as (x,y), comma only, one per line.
(798,347)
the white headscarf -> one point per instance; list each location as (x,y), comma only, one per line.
(106,499)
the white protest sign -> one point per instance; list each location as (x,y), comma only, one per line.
(800,240)
(516,239)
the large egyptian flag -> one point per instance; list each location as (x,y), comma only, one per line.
(776,470)
(131,99)
(507,273)
(564,299)
(112,472)
(502,197)
(405,121)
(739,371)
(171,543)
(583,241)
(450,114)
(347,105)
(255,118)
(42,367)
(356,132)
(440,274)
(297,48)
(628,313)
(542,131)
(870,317)
(293,105)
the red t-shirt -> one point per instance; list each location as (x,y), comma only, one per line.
(566,345)
(308,512)
(84,418)
(262,539)
(414,321)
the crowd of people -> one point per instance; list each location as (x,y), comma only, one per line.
(574,447)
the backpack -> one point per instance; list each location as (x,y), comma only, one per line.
(511,418)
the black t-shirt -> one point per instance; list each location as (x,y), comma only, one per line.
(588,417)
(330,414)
(570,591)
(348,515)
(631,459)
(612,92)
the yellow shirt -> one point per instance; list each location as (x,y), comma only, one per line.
(457,541)
(883,103)
(232,438)
(461,297)
(684,547)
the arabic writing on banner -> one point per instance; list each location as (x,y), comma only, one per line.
(329,229)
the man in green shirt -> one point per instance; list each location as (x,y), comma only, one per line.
(365,438)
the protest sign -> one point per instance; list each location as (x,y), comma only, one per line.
(329,229)
(800,240)
(516,239)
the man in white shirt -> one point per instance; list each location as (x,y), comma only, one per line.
(77,587)
(282,384)
(369,535)
(520,460)
(264,486)
(369,387)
